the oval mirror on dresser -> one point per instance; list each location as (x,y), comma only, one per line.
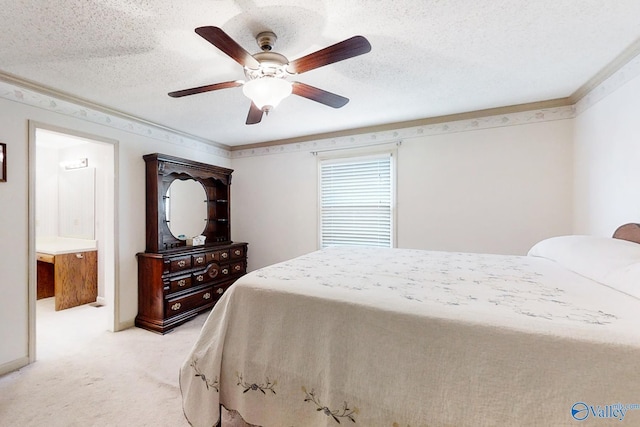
(186,208)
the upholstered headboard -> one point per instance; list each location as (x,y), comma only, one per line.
(630,232)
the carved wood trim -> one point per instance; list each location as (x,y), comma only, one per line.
(161,171)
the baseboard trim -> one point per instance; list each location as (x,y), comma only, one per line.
(125,325)
(14,365)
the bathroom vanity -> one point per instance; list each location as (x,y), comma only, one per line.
(67,269)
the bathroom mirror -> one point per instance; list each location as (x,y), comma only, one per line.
(76,203)
(186,208)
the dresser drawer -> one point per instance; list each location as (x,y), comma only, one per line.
(237,253)
(238,268)
(199,260)
(218,290)
(225,271)
(218,256)
(179,283)
(200,278)
(180,305)
(179,264)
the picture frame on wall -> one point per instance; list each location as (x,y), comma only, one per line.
(3,162)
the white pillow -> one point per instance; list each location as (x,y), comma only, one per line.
(613,262)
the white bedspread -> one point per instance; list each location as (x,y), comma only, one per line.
(395,337)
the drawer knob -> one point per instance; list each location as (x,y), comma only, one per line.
(225,271)
(237,268)
(176,306)
(206,296)
(200,278)
(224,255)
(182,263)
(237,252)
(219,290)
(182,282)
(199,260)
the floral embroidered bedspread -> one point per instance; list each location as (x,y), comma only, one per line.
(399,337)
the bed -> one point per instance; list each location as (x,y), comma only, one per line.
(400,337)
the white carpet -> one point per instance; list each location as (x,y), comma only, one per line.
(87,376)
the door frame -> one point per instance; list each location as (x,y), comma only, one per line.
(111,292)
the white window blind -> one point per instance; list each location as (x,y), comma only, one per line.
(356,202)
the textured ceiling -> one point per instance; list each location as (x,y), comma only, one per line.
(429,58)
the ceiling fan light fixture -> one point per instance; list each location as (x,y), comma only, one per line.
(267,92)
(267,71)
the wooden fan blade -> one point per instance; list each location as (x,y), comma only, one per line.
(319,95)
(222,41)
(345,49)
(207,88)
(255,115)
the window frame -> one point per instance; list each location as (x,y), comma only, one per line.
(351,155)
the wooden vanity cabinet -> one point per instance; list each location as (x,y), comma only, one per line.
(177,282)
(72,278)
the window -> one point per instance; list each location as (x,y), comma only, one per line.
(357,201)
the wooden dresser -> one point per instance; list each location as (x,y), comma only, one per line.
(177,281)
(173,287)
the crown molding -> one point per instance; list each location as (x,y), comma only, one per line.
(620,66)
(23,91)
(413,123)
(628,69)
(484,119)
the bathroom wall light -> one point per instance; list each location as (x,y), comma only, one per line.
(78,164)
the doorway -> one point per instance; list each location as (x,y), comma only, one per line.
(72,198)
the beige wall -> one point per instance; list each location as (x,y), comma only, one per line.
(14,224)
(495,190)
(274,206)
(607,161)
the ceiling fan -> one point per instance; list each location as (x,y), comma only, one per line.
(267,71)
